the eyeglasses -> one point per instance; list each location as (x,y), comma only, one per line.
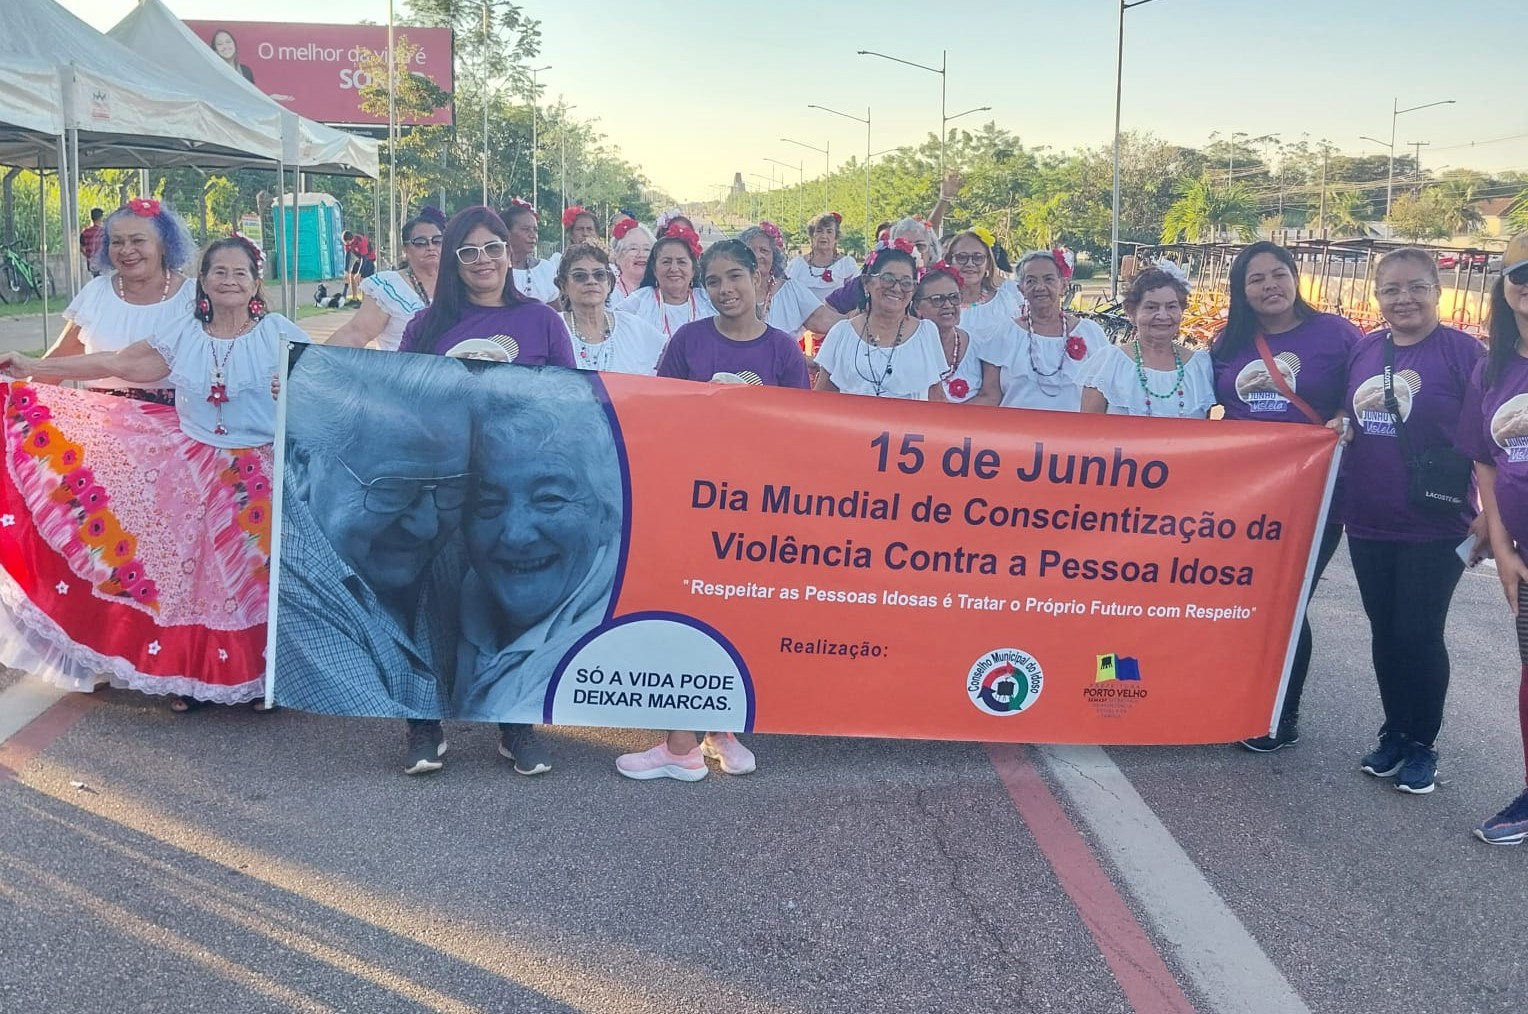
(423,241)
(1416,290)
(494,251)
(585,277)
(1518,275)
(947,299)
(394,494)
(903,283)
(968,259)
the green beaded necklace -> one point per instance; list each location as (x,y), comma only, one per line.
(1175,388)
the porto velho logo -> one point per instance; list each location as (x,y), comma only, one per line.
(1005,681)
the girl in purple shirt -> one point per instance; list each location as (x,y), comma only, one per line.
(1403,552)
(1493,429)
(1310,350)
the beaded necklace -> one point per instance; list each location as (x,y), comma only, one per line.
(218,388)
(663,310)
(876,381)
(1027,321)
(598,356)
(1175,388)
(418,286)
(122,292)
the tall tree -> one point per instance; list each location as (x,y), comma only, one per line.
(1205,211)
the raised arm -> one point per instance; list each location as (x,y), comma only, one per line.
(139,363)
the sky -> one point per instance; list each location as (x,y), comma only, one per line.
(693,91)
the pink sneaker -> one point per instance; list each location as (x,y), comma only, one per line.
(661,762)
(735,758)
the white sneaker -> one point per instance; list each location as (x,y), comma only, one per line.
(661,762)
(735,758)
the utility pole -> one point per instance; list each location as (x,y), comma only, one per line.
(1326,154)
(1416,159)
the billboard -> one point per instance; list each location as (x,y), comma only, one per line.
(315,70)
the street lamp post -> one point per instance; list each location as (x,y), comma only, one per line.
(827,161)
(1396,113)
(943,71)
(869,239)
(562,142)
(800,168)
(535,181)
(1119,73)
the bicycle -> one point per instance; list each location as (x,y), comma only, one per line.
(20,276)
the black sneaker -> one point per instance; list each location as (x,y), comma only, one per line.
(519,744)
(1418,770)
(1288,734)
(426,745)
(1386,759)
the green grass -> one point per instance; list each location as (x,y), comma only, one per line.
(32,306)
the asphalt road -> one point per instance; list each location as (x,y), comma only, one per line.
(225,861)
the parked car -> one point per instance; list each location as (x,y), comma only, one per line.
(1469,260)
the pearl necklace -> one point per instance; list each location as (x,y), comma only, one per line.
(122,292)
(597,356)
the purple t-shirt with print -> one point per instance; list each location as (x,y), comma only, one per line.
(1493,428)
(533,333)
(1313,357)
(1430,379)
(698,351)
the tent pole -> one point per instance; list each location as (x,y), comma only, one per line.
(74,194)
(42,244)
(281,236)
(71,264)
(296,232)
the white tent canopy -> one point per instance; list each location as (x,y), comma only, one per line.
(155,33)
(127,111)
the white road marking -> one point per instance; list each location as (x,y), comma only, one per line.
(1226,965)
(23,701)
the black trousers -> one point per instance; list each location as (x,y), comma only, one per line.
(1298,670)
(1406,588)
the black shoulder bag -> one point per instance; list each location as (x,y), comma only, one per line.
(1437,478)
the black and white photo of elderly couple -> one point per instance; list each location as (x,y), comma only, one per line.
(447,533)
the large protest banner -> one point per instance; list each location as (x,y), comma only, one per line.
(494,542)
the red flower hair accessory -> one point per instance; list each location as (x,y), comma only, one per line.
(837,218)
(570,215)
(904,244)
(520,202)
(253,249)
(680,231)
(948,269)
(1062,266)
(621,228)
(144,207)
(1076,348)
(898,244)
(772,230)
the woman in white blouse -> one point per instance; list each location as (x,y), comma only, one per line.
(534,277)
(1153,373)
(965,377)
(604,340)
(989,302)
(823,269)
(884,352)
(783,303)
(389,299)
(633,244)
(670,296)
(141,291)
(196,576)
(1044,355)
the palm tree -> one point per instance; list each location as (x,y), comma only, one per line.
(1206,210)
(1461,213)
(1344,213)
(1518,214)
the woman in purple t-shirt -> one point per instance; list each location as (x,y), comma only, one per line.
(478,313)
(1309,352)
(1493,429)
(1403,551)
(734,346)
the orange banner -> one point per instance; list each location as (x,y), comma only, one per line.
(795,562)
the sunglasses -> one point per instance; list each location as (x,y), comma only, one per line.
(969,259)
(891,281)
(1518,275)
(494,251)
(585,277)
(427,241)
(946,299)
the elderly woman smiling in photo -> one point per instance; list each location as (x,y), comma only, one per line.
(823,269)
(989,302)
(1045,354)
(784,303)
(668,298)
(966,378)
(633,244)
(1154,374)
(543,536)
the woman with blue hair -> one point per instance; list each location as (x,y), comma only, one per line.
(141,291)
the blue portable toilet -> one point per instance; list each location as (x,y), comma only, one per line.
(319,247)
